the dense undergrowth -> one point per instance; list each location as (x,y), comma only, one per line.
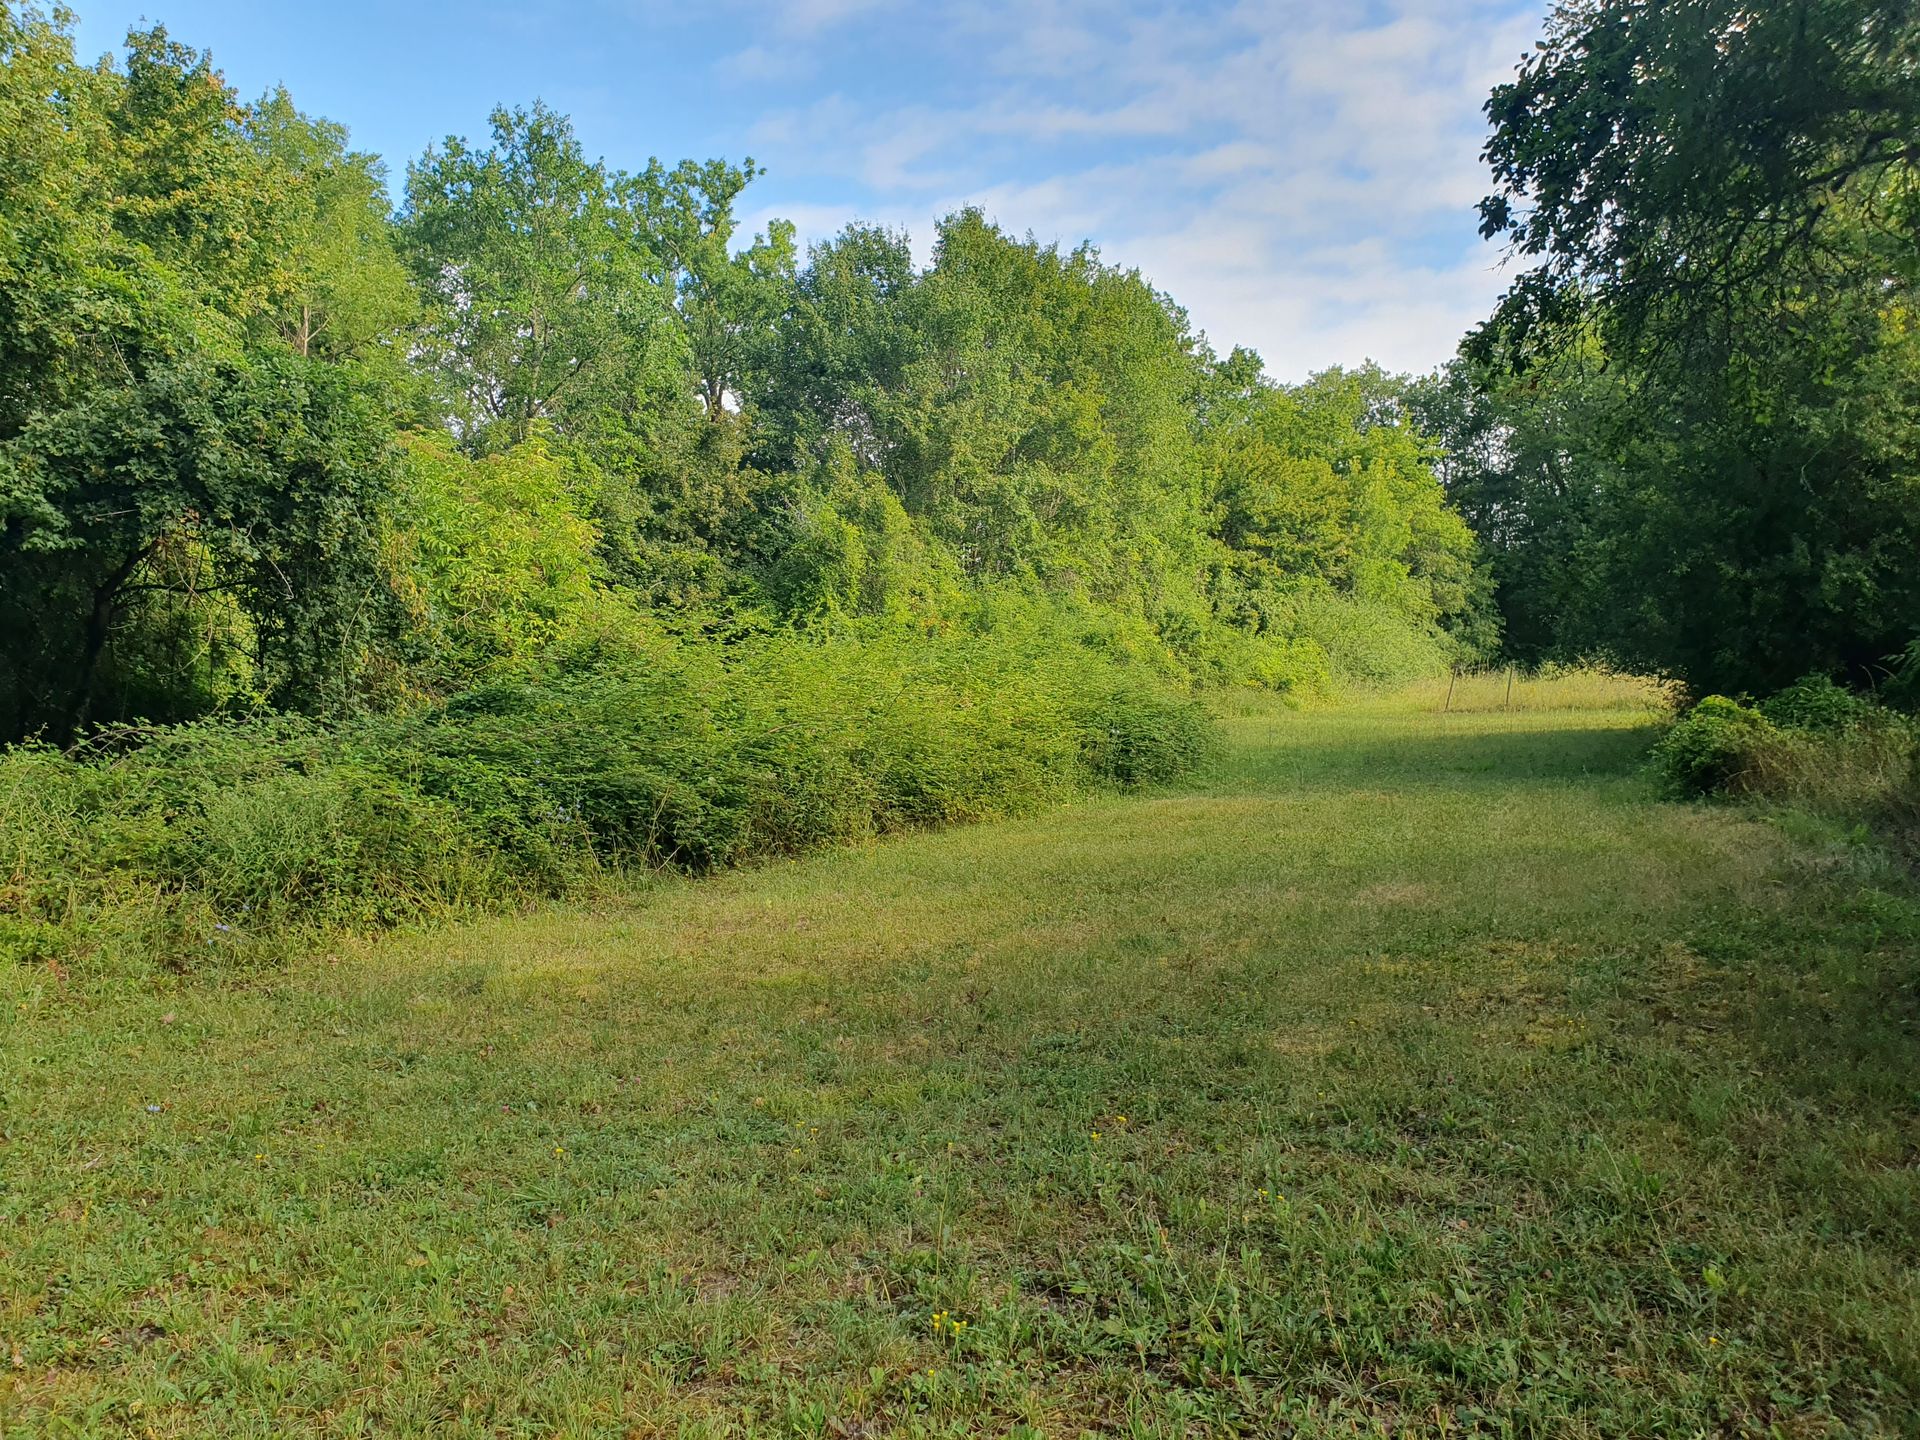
(238,839)
(1814,748)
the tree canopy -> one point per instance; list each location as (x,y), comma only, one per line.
(1691,430)
(266,442)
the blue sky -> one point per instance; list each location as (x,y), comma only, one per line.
(1300,174)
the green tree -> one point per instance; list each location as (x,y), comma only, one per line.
(144,452)
(1726,197)
(727,301)
(1329,486)
(843,347)
(1686,164)
(494,559)
(544,297)
(262,479)
(1028,406)
(186,184)
(1528,460)
(345,293)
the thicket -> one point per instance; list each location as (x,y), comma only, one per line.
(633,750)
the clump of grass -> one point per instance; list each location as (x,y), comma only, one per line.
(1855,774)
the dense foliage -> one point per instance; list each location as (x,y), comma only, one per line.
(634,751)
(549,524)
(1690,436)
(265,445)
(1824,751)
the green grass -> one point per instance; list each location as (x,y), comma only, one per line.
(1466,1089)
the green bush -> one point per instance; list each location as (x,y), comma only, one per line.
(1140,737)
(1813,748)
(1711,748)
(1818,705)
(631,749)
(1365,642)
(220,835)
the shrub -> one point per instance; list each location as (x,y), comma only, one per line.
(1813,747)
(1141,737)
(1818,705)
(1227,655)
(631,748)
(1711,747)
(1366,643)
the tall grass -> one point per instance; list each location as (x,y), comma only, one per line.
(1549,688)
(630,752)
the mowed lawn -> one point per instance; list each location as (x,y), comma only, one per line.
(1410,1074)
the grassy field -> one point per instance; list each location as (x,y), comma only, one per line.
(1414,1073)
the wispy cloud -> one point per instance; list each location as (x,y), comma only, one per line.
(758,64)
(1300,174)
(811,17)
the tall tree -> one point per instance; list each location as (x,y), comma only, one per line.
(728,300)
(186,182)
(1528,460)
(545,300)
(1328,486)
(1680,163)
(144,450)
(345,292)
(1727,196)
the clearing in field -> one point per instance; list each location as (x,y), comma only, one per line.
(1413,1073)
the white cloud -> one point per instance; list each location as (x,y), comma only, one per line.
(1299,174)
(758,64)
(810,17)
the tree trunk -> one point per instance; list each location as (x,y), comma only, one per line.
(106,600)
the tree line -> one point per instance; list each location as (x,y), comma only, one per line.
(1688,439)
(267,441)
(270,441)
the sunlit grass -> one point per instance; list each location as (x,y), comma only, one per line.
(1412,1073)
(1551,688)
